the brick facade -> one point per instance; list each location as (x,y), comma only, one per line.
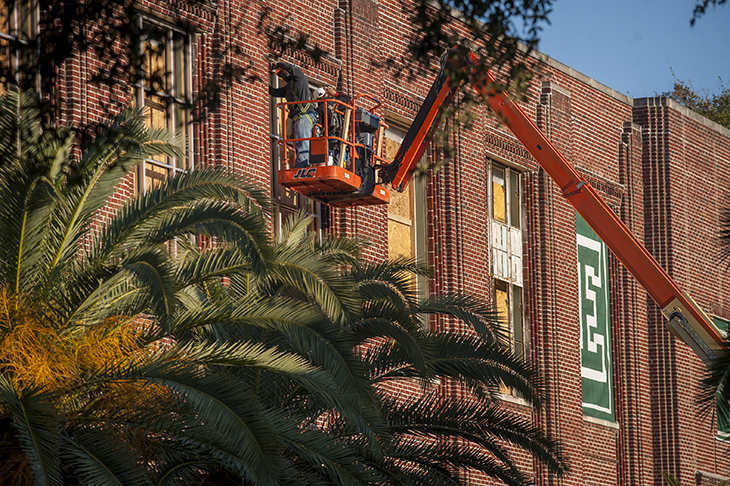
(663,169)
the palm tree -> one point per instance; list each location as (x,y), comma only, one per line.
(425,434)
(111,368)
(454,423)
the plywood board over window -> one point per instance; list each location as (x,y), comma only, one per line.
(499,199)
(401,216)
(406,213)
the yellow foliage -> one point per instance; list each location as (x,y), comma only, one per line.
(35,352)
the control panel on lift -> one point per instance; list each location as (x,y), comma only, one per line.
(346,150)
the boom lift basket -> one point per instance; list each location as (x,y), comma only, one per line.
(336,160)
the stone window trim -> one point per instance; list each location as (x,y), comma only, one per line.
(601,422)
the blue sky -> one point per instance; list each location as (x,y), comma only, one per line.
(633,46)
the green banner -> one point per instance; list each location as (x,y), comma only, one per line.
(595,323)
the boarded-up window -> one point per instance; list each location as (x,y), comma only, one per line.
(505,249)
(18,26)
(406,218)
(499,199)
(401,215)
(154,176)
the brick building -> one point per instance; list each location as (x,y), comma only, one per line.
(620,389)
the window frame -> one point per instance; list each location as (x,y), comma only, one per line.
(514,282)
(419,227)
(286,201)
(722,325)
(173,102)
(23,31)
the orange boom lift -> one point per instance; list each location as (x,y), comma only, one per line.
(684,317)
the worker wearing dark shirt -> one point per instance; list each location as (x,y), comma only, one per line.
(302,114)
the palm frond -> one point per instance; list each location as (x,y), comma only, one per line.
(321,452)
(142,282)
(396,274)
(670,479)
(309,334)
(23,233)
(294,229)
(714,394)
(483,365)
(200,202)
(34,421)
(117,148)
(440,463)
(486,427)
(126,143)
(308,275)
(150,268)
(386,343)
(228,422)
(198,267)
(469,310)
(19,134)
(98,456)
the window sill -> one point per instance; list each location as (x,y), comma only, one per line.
(513,399)
(700,475)
(723,437)
(604,423)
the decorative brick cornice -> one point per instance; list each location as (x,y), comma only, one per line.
(507,145)
(328,65)
(611,191)
(405,102)
(201,10)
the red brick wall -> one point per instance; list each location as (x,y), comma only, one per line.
(685,165)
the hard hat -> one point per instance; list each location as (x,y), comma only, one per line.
(319,93)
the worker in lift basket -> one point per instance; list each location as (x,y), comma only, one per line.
(302,114)
(334,118)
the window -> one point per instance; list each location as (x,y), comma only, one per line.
(163,92)
(287,201)
(18,24)
(723,415)
(505,248)
(406,214)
